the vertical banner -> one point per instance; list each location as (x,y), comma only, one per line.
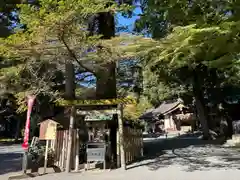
(30,102)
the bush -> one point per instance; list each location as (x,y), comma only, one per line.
(36,155)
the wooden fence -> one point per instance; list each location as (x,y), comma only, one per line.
(133,145)
(60,148)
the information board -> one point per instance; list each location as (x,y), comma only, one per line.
(48,130)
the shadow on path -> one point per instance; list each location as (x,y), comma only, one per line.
(189,153)
(10,162)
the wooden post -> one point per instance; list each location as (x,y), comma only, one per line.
(141,143)
(46,157)
(25,162)
(121,137)
(77,151)
(118,150)
(70,87)
(70,139)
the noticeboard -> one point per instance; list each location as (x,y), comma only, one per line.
(48,130)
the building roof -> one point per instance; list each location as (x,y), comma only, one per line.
(164,109)
(167,107)
(148,114)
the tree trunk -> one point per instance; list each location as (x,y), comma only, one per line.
(70,81)
(199,102)
(106,89)
(106,25)
(17,133)
(106,82)
(202,118)
(70,95)
(106,77)
(121,138)
(230,127)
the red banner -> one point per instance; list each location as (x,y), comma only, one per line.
(30,103)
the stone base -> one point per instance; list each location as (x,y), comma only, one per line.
(234,141)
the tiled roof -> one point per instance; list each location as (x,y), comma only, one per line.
(164,108)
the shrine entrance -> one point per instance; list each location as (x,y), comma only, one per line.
(99,135)
(98,128)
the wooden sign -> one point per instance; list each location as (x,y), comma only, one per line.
(48,130)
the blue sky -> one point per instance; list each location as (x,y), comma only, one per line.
(123,21)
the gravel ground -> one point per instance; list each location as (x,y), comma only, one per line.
(171,159)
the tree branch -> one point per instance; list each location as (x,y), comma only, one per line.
(73,55)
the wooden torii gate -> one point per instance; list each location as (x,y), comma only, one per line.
(117,108)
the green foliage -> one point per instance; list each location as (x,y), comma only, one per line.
(127,100)
(133,111)
(158,90)
(36,154)
(56,33)
(190,45)
(160,17)
(188,50)
(195,38)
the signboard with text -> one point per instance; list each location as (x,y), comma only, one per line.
(48,130)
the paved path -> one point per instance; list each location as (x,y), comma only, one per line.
(10,159)
(171,159)
(171,173)
(192,163)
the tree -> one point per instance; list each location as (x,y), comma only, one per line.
(56,35)
(157,90)
(52,36)
(190,55)
(161,20)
